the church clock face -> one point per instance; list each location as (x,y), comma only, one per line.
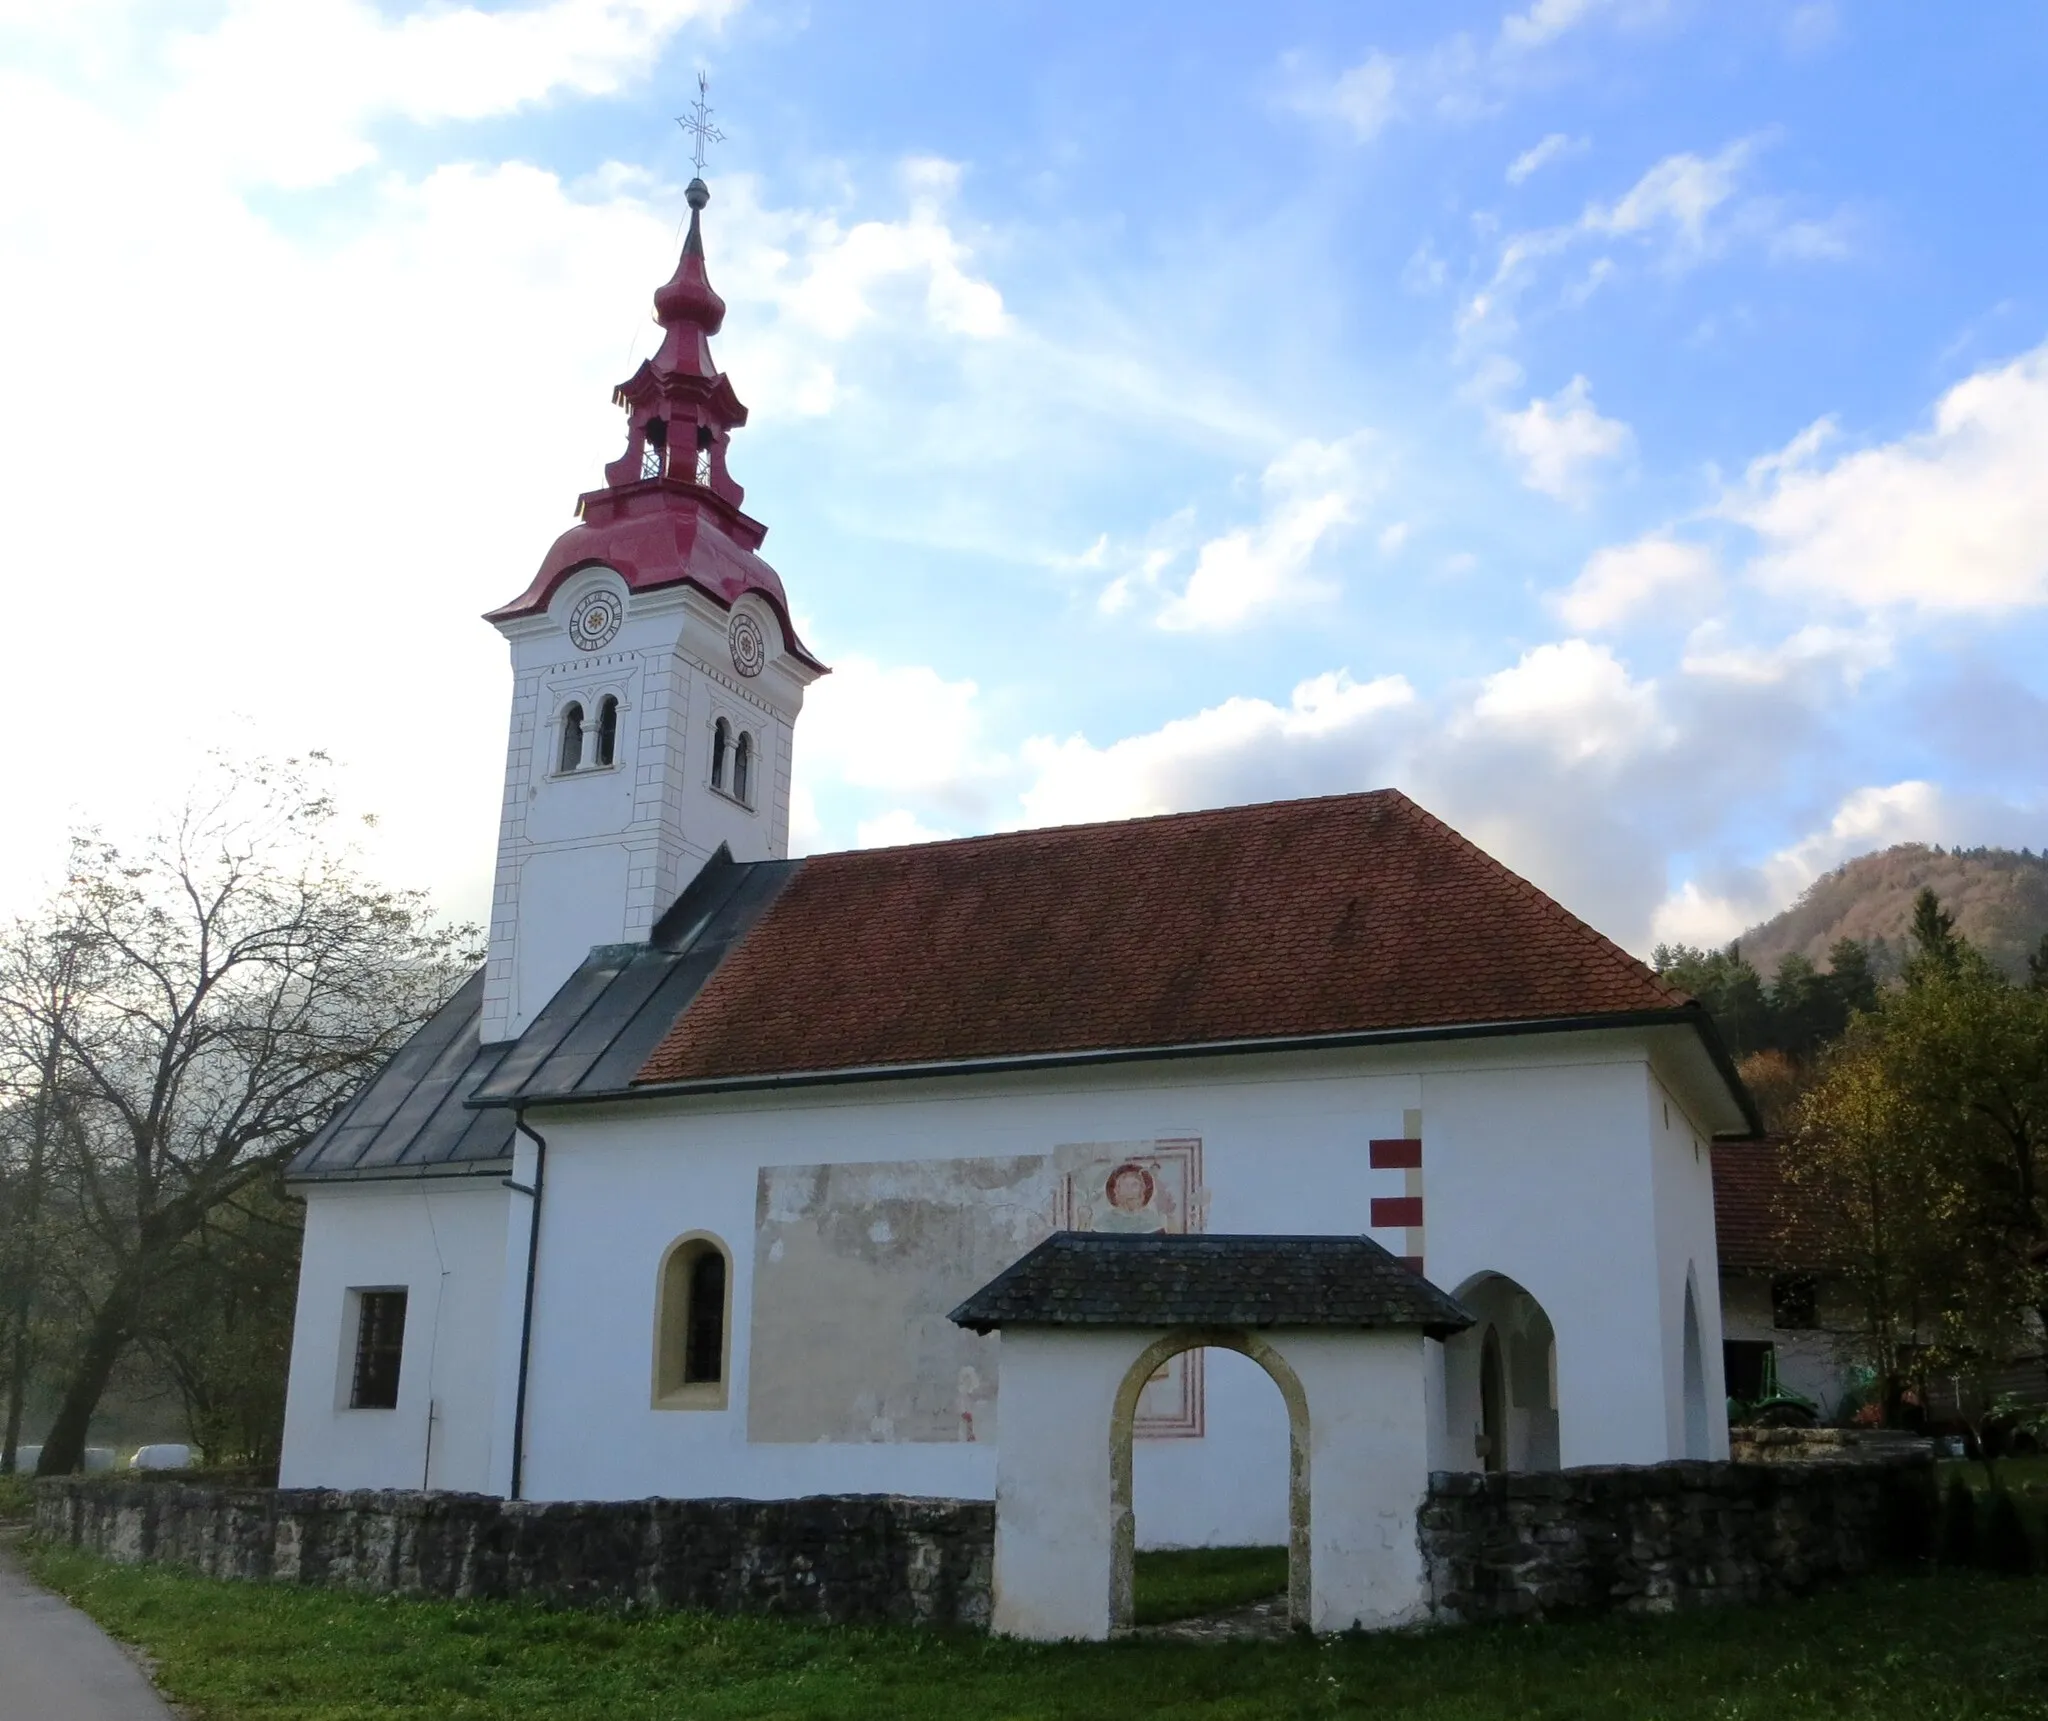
(749,647)
(595,619)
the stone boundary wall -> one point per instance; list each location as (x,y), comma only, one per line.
(1662,1537)
(842,1558)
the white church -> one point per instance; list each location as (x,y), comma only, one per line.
(1205,1179)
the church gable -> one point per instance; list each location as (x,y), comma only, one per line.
(1353,914)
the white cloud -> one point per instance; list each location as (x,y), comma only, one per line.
(1311,491)
(1244,749)
(1556,147)
(1545,21)
(1841,654)
(282,92)
(1574,697)
(1951,519)
(902,729)
(1620,581)
(1364,97)
(895,828)
(1684,210)
(1557,443)
(243,573)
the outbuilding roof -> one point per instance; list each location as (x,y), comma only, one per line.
(1349,914)
(1093,1278)
(1766,1222)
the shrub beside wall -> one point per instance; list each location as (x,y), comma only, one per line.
(839,1558)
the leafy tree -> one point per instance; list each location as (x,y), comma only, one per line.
(1927,1136)
(234,977)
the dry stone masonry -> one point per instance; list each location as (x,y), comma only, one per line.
(1795,1512)
(837,1558)
(1663,1537)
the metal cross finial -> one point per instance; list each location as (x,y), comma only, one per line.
(698,124)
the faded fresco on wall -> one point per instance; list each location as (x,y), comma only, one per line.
(1145,1186)
(857,1266)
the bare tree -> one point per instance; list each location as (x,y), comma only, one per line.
(231,979)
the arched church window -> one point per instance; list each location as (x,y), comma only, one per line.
(721,744)
(571,756)
(607,729)
(692,1324)
(743,768)
(703,454)
(653,445)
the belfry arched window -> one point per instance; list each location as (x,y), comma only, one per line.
(570,757)
(743,768)
(607,729)
(653,445)
(703,454)
(721,744)
(692,1324)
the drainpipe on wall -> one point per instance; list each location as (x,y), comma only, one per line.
(540,1172)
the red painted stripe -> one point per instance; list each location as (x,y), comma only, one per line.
(1413,1263)
(1401,1153)
(1391,1210)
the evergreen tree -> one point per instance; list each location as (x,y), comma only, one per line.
(1936,948)
(1853,975)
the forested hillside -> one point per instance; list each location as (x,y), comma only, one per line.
(1999,898)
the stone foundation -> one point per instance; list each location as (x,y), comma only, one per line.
(1658,1538)
(837,1558)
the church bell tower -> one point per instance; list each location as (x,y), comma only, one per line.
(656,678)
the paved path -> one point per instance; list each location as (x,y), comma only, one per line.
(56,1665)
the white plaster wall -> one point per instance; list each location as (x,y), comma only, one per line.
(1536,1164)
(1814,1362)
(594,856)
(1181,1497)
(1368,1473)
(1543,1174)
(1053,1521)
(444,1241)
(1682,1180)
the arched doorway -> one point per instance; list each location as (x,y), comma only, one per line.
(1123,1416)
(1493,1392)
(1500,1381)
(1695,1376)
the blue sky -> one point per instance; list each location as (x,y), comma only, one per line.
(1621,424)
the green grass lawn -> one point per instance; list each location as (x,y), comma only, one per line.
(1179,1583)
(1932,1648)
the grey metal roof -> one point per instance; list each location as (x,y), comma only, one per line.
(445,1103)
(1093,1278)
(409,1119)
(598,1029)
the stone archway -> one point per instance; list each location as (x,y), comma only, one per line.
(1122,1430)
(1501,1409)
(1693,1366)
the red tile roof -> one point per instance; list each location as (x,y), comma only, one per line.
(1764,1222)
(1348,914)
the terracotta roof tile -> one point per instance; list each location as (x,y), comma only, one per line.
(1763,1221)
(1352,913)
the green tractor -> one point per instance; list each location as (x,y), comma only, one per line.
(1775,1406)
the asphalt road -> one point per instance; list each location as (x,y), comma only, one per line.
(56,1665)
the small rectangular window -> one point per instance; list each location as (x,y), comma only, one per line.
(1795,1303)
(1744,1362)
(380,1345)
